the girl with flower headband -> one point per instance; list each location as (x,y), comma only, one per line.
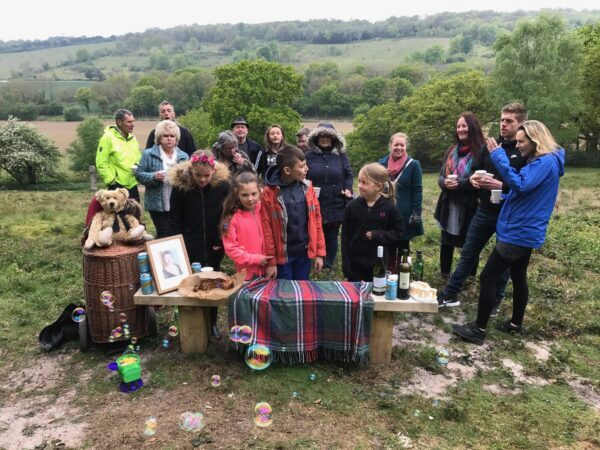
(370,220)
(200,186)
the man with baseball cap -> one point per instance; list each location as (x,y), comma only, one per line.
(239,127)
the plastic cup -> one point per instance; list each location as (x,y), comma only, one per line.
(452,177)
(134,168)
(481,173)
(495,197)
(317,190)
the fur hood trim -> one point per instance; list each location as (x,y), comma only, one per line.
(338,141)
(181,175)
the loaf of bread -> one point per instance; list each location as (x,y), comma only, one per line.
(422,291)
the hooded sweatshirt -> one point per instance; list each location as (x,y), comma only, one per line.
(527,208)
(278,224)
(196,212)
(244,242)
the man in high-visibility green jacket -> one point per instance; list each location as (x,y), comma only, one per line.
(118,152)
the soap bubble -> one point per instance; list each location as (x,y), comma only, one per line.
(111,338)
(173,331)
(191,421)
(116,333)
(295,394)
(245,334)
(123,317)
(107,299)
(134,340)
(442,356)
(258,357)
(215,381)
(150,426)
(312,377)
(234,333)
(263,414)
(165,343)
(78,315)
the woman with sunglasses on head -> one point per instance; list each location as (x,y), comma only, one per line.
(522,224)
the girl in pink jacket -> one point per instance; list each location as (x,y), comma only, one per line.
(241,226)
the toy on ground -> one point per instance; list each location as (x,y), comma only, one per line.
(119,220)
(130,371)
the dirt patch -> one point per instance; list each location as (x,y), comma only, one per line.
(45,374)
(500,390)
(586,392)
(29,422)
(518,374)
(540,350)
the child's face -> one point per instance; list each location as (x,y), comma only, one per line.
(275,136)
(202,174)
(367,187)
(248,196)
(297,172)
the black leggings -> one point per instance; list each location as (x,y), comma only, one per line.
(516,259)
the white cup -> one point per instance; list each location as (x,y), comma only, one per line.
(452,177)
(481,173)
(207,269)
(317,190)
(496,193)
(134,168)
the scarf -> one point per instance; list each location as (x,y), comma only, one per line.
(168,163)
(395,166)
(459,161)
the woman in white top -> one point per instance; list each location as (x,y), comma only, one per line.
(152,173)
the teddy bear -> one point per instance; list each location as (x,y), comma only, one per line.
(117,222)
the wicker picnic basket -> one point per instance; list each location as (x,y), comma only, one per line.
(113,269)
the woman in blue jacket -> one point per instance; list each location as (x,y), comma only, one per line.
(521,226)
(152,170)
(407,177)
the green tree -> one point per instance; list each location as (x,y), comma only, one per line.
(84,96)
(25,153)
(197,121)
(187,88)
(258,90)
(538,65)
(110,94)
(590,86)
(143,100)
(82,56)
(82,151)
(72,113)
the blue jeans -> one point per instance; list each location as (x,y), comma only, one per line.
(296,268)
(481,229)
(331,232)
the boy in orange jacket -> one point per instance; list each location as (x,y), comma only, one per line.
(291,218)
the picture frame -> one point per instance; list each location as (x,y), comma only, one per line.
(169,262)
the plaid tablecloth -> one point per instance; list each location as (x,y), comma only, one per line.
(301,321)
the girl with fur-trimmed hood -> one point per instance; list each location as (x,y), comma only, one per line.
(200,186)
(329,169)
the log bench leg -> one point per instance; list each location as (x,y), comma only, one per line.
(381,337)
(193,328)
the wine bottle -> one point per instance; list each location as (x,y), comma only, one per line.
(403,276)
(379,273)
(418,267)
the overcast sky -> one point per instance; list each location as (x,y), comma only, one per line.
(27,19)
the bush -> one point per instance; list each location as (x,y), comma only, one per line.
(50,109)
(72,114)
(198,122)
(25,153)
(82,151)
(26,111)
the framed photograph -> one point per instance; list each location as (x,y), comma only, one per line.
(169,262)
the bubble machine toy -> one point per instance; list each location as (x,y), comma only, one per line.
(130,371)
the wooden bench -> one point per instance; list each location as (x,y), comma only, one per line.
(194,320)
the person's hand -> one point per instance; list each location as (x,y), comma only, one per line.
(369,235)
(415,219)
(237,158)
(492,145)
(160,175)
(489,183)
(271,272)
(347,193)
(450,184)
(318,263)
(216,248)
(475,180)
(265,260)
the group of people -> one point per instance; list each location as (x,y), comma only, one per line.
(277,210)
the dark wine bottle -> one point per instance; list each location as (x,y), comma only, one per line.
(403,276)
(379,273)
(418,267)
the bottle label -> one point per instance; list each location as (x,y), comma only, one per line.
(379,284)
(404,280)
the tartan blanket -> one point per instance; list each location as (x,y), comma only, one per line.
(300,321)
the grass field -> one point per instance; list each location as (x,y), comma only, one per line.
(537,391)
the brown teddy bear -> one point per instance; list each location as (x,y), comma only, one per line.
(116,222)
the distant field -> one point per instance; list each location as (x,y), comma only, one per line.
(63,133)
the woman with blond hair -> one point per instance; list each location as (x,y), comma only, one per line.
(370,220)
(521,226)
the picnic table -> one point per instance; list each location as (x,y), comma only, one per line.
(194,320)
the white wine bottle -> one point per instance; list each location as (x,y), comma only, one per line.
(379,273)
(404,276)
